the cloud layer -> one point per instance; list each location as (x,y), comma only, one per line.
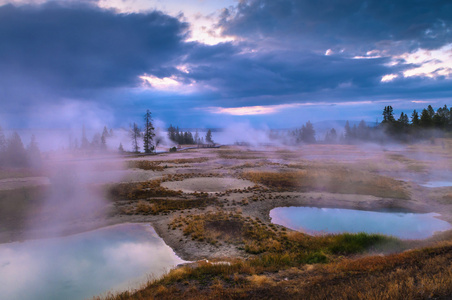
(283,53)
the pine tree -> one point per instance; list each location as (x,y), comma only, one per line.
(103,138)
(333,135)
(149,134)
(426,119)
(135,134)
(196,138)
(415,118)
(362,131)
(209,137)
(103,142)
(348,132)
(34,154)
(15,154)
(85,143)
(388,115)
(96,142)
(105,132)
(431,111)
(308,133)
(172,133)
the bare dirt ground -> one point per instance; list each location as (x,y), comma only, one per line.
(221,174)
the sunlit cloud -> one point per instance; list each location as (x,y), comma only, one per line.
(389,77)
(272,109)
(202,19)
(422,101)
(160,83)
(250,110)
(431,63)
(183,69)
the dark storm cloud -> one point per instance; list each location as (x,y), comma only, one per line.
(329,23)
(55,54)
(285,72)
(80,46)
(240,78)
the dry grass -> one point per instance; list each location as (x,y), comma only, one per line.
(418,274)
(187,160)
(237,154)
(447,199)
(145,165)
(334,180)
(157,165)
(411,164)
(156,206)
(141,190)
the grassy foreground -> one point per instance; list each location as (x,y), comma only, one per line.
(283,264)
(416,274)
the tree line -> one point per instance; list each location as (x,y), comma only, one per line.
(187,138)
(14,154)
(420,125)
(426,124)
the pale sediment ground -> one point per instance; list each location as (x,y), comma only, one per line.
(208,185)
(17,183)
(219,171)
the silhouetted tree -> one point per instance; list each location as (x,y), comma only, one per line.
(431,111)
(388,115)
(135,134)
(34,154)
(348,135)
(84,143)
(197,140)
(426,119)
(415,118)
(362,132)
(308,133)
(172,133)
(103,138)
(331,136)
(96,142)
(15,154)
(209,137)
(149,134)
(103,142)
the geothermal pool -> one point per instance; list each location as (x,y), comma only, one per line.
(435,184)
(81,266)
(313,220)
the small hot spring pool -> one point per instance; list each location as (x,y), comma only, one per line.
(313,220)
(435,184)
(84,265)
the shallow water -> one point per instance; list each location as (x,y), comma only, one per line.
(83,265)
(434,184)
(314,220)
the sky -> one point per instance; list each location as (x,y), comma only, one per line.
(200,63)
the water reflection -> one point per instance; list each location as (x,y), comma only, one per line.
(334,220)
(83,265)
(434,184)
